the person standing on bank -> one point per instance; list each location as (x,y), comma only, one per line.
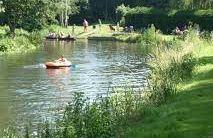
(85,24)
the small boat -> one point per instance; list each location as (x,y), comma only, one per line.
(67,38)
(58,65)
(51,37)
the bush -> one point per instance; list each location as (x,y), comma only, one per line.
(151,36)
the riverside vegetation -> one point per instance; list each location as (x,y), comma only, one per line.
(172,63)
(21,42)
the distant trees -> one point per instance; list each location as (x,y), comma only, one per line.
(34,14)
(191,4)
(106,8)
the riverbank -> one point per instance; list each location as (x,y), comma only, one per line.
(94,32)
(189,114)
(103,33)
(26,41)
(23,41)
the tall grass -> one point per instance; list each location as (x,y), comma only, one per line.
(173,62)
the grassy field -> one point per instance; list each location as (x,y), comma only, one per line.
(187,115)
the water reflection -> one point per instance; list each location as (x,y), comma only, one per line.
(57,76)
(55,73)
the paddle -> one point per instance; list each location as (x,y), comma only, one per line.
(73,66)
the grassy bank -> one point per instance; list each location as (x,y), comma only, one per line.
(189,113)
(23,41)
(100,33)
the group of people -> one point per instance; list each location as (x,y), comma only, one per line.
(59,35)
(178,31)
(125,29)
(129,29)
(52,34)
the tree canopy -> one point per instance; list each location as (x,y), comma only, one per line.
(27,14)
(34,14)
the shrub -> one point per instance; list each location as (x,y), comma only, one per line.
(22,41)
(151,36)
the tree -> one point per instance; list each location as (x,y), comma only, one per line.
(65,8)
(27,14)
(191,4)
(13,13)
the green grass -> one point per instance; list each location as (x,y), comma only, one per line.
(189,114)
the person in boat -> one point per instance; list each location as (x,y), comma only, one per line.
(61,59)
(61,35)
(69,35)
(51,35)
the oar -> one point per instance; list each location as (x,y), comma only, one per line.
(73,65)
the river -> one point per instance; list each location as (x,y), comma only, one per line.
(31,93)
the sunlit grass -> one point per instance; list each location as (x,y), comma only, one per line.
(189,114)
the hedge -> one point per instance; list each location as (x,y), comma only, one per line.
(166,21)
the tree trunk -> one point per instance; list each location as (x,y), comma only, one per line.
(12,30)
(62,18)
(106,10)
(66,15)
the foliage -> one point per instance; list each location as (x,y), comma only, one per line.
(27,14)
(169,68)
(23,41)
(122,10)
(104,117)
(191,4)
(65,8)
(171,65)
(34,14)
(84,12)
(151,36)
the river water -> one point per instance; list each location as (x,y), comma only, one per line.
(28,91)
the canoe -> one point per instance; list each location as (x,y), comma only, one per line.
(57,65)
